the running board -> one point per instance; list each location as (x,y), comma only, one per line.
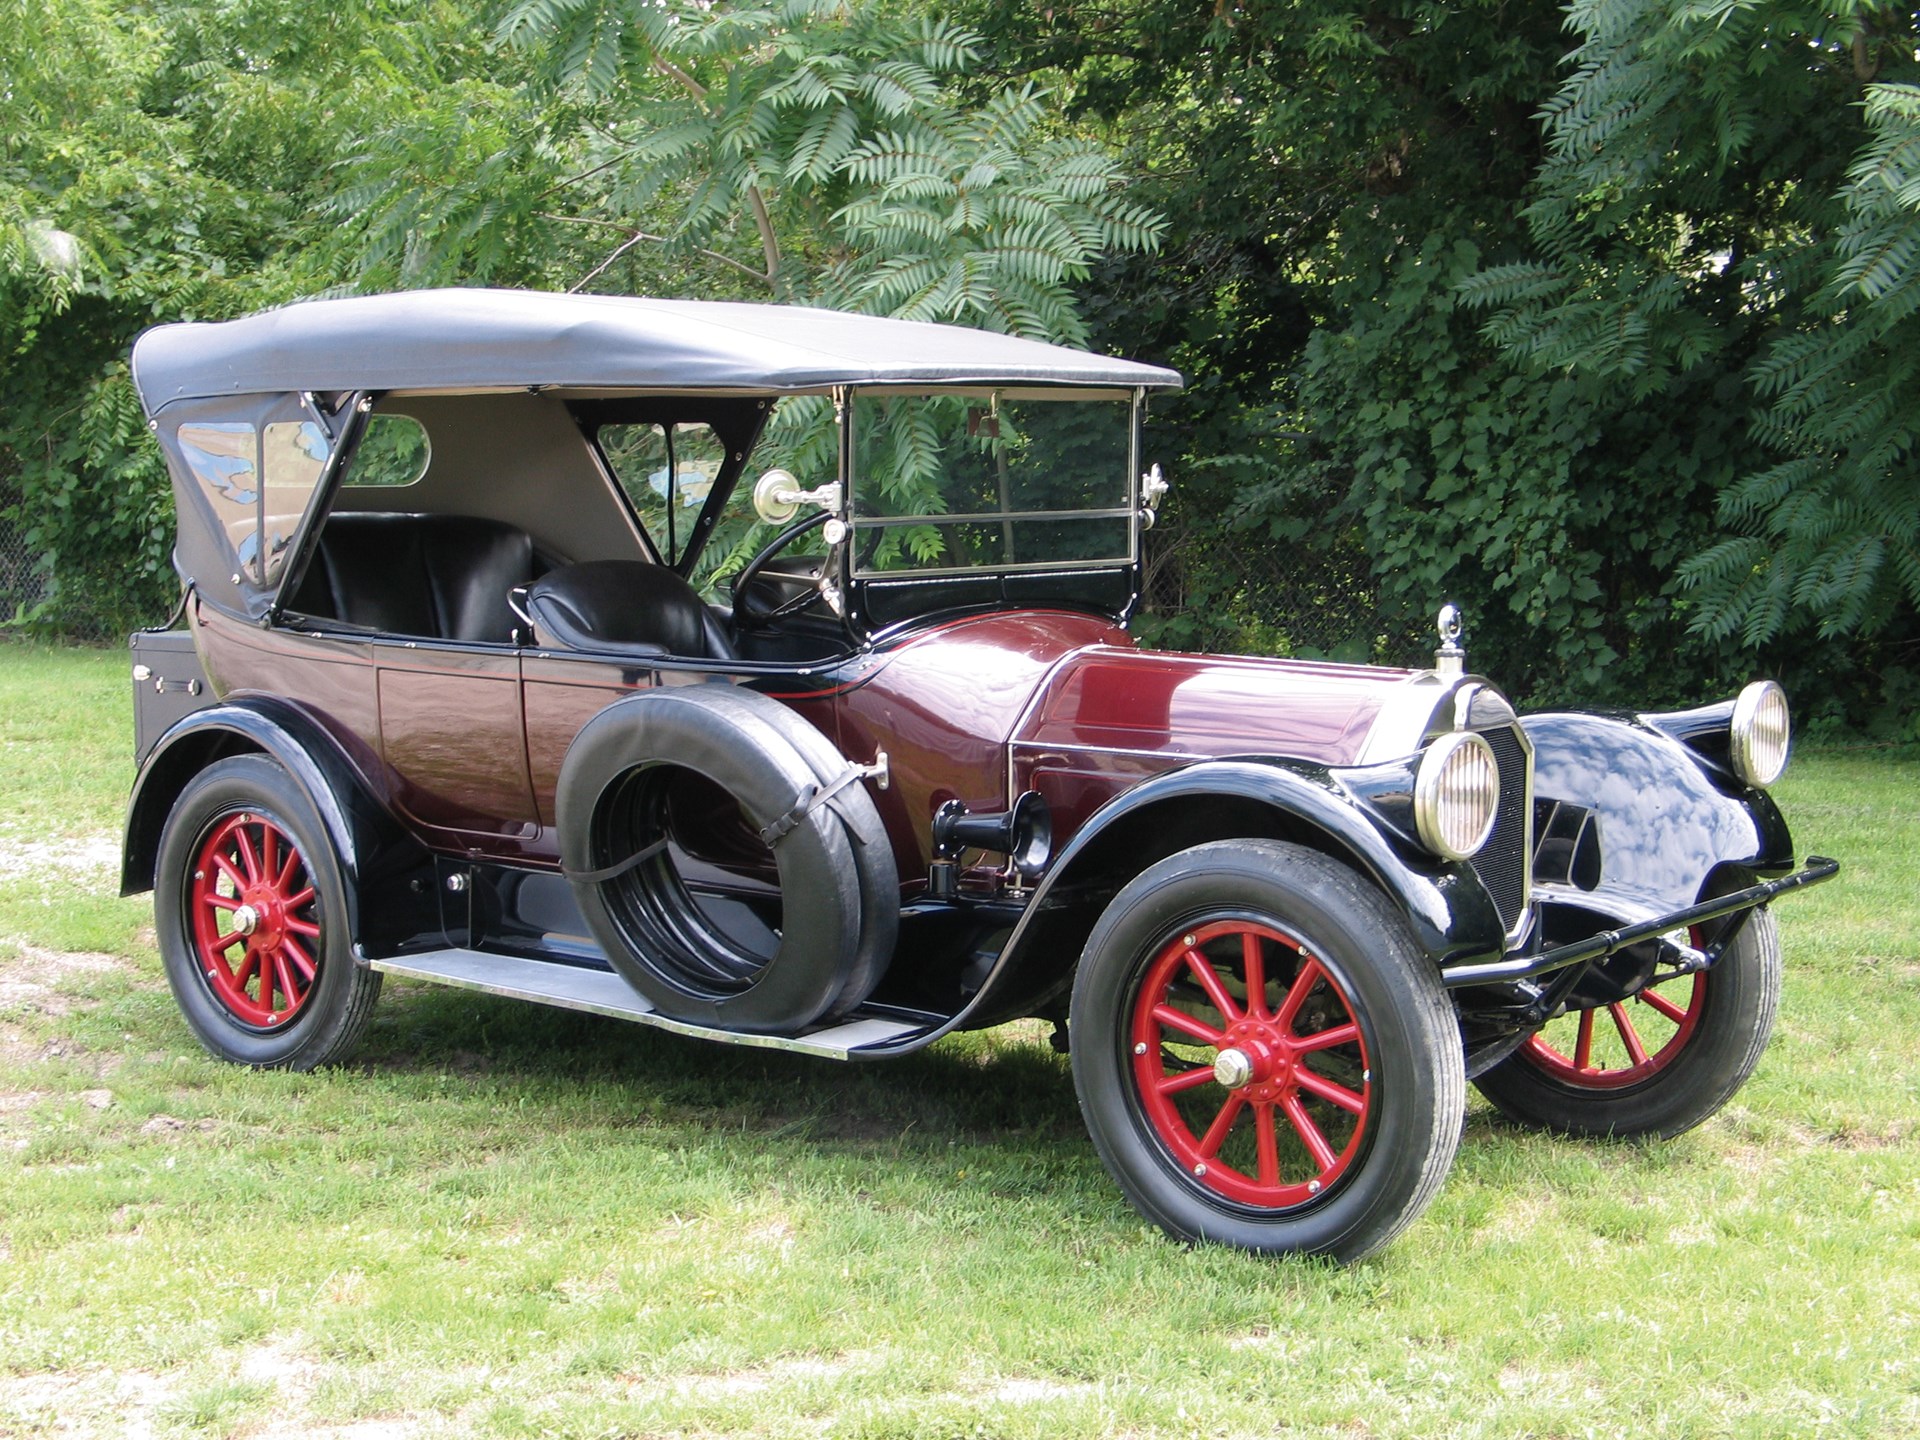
(600,992)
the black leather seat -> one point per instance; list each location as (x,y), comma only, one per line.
(441,576)
(625,605)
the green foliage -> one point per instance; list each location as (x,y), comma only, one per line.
(1732,192)
(806,150)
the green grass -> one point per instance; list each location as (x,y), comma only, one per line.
(510,1221)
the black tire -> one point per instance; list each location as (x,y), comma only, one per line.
(252,999)
(838,888)
(1336,958)
(1713,1027)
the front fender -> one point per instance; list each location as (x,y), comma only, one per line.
(380,862)
(1447,908)
(1668,819)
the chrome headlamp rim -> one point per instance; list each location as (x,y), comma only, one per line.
(1431,793)
(1761,735)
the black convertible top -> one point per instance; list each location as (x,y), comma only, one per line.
(480,339)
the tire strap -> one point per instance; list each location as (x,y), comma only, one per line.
(811,799)
(613,872)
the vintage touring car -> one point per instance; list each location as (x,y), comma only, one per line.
(500,672)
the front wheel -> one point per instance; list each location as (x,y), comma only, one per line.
(1655,1064)
(250,910)
(1263,1056)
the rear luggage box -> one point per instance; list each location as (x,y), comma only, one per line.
(168,685)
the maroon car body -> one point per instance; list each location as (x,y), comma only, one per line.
(492,677)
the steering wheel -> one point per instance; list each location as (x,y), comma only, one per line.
(743,582)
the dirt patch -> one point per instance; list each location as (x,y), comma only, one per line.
(30,981)
(172,1127)
(85,855)
(1023,1390)
(754,1379)
(100,1402)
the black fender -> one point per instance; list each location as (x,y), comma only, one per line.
(1669,817)
(1448,910)
(383,866)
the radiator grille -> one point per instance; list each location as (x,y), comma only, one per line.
(1502,861)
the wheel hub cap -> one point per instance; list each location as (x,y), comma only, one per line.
(245,920)
(1232,1068)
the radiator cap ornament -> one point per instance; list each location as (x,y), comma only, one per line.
(1451,658)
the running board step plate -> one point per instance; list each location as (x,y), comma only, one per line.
(603,993)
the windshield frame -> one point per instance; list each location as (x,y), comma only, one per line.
(850,480)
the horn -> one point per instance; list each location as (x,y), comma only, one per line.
(1023,834)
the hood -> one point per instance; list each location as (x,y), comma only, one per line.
(1107,697)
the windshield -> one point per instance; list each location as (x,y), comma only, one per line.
(991,479)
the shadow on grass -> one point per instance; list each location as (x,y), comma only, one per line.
(967,1089)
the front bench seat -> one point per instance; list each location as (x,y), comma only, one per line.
(629,605)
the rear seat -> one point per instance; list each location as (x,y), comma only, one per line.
(441,576)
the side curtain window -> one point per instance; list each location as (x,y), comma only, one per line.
(667,472)
(245,472)
(294,456)
(224,457)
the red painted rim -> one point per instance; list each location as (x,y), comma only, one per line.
(255,919)
(1641,1036)
(1292,1128)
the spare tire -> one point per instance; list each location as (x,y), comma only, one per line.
(731,869)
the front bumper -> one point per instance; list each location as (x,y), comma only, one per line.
(1595,947)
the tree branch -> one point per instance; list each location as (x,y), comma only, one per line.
(638,237)
(763,222)
(769,242)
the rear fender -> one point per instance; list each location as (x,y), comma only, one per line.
(1446,906)
(390,896)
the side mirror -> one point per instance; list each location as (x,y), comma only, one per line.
(1153,489)
(777,497)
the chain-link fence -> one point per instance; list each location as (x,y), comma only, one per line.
(24,582)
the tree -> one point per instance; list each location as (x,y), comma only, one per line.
(1732,190)
(802,151)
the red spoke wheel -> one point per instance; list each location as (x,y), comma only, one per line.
(256,923)
(1249,1063)
(1624,1043)
(249,907)
(1656,1063)
(1263,1055)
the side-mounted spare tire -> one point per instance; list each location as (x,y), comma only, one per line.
(782,913)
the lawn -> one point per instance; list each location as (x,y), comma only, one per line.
(509,1221)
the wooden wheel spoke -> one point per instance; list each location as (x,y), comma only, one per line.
(1203,971)
(1216,1135)
(1629,1037)
(227,868)
(1266,1144)
(248,857)
(1255,966)
(302,962)
(1583,1043)
(1187,1025)
(1309,1133)
(1183,1080)
(1297,993)
(1329,1090)
(1327,1039)
(1661,1005)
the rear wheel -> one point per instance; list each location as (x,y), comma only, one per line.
(1263,1056)
(250,912)
(1656,1063)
